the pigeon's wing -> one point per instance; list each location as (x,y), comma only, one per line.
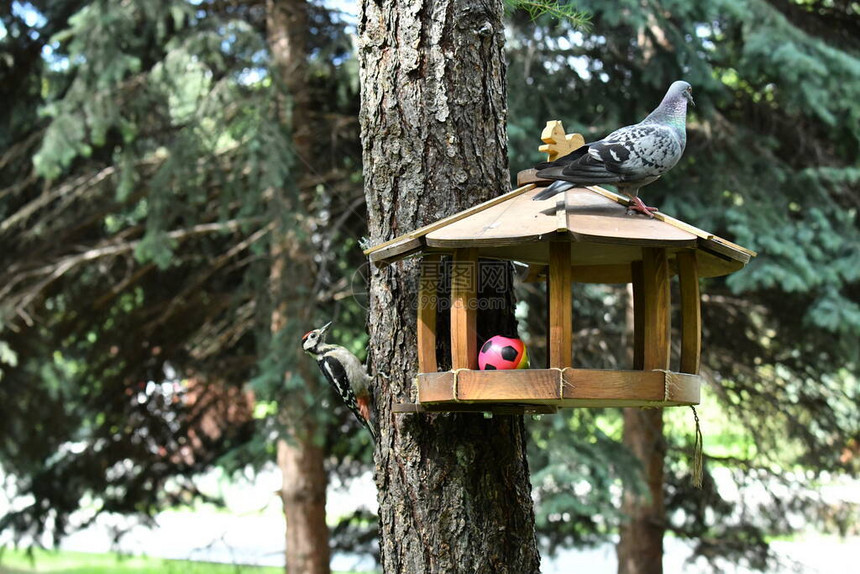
(584,165)
(632,153)
(640,151)
(588,164)
(565,159)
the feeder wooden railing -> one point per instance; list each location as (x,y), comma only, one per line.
(650,384)
(524,390)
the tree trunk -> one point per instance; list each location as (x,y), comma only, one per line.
(304,497)
(454,491)
(640,548)
(300,460)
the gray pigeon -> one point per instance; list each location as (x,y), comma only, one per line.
(629,157)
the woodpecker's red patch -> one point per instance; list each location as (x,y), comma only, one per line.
(305,336)
(364,407)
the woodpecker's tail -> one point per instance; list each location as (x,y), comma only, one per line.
(371,428)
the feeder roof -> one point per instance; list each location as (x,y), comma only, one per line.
(604,240)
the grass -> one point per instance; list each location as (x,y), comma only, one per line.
(17,562)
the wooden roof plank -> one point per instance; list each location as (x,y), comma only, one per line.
(518,220)
(720,248)
(397,250)
(421,231)
(513,226)
(561,214)
(701,233)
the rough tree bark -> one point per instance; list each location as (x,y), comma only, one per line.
(305,481)
(454,491)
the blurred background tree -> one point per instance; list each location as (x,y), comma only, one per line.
(147,163)
(148,187)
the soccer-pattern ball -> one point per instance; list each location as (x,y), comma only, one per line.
(501,353)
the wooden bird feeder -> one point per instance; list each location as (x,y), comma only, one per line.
(585,236)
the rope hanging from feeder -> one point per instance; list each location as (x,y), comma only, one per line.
(697,470)
(696,465)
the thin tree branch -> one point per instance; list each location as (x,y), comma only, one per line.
(54,271)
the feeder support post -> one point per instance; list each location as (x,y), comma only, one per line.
(691,312)
(428,305)
(560,330)
(638,280)
(642,534)
(464,309)
(656,307)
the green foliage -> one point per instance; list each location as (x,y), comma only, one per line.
(149,171)
(579,469)
(147,165)
(551,8)
(771,163)
(7,356)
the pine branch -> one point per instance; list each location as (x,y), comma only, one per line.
(22,148)
(215,336)
(76,187)
(197,282)
(552,8)
(49,273)
(19,185)
(123,285)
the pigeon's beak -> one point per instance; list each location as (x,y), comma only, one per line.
(689,95)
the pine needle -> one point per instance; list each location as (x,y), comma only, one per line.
(553,8)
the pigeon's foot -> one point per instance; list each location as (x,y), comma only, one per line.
(637,206)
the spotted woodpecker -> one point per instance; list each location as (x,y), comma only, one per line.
(344,372)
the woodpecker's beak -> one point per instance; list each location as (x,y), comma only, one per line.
(325,327)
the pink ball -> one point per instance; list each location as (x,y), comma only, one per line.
(502,353)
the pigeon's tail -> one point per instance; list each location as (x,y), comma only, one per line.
(556,187)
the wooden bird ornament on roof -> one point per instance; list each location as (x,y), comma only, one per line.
(630,157)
